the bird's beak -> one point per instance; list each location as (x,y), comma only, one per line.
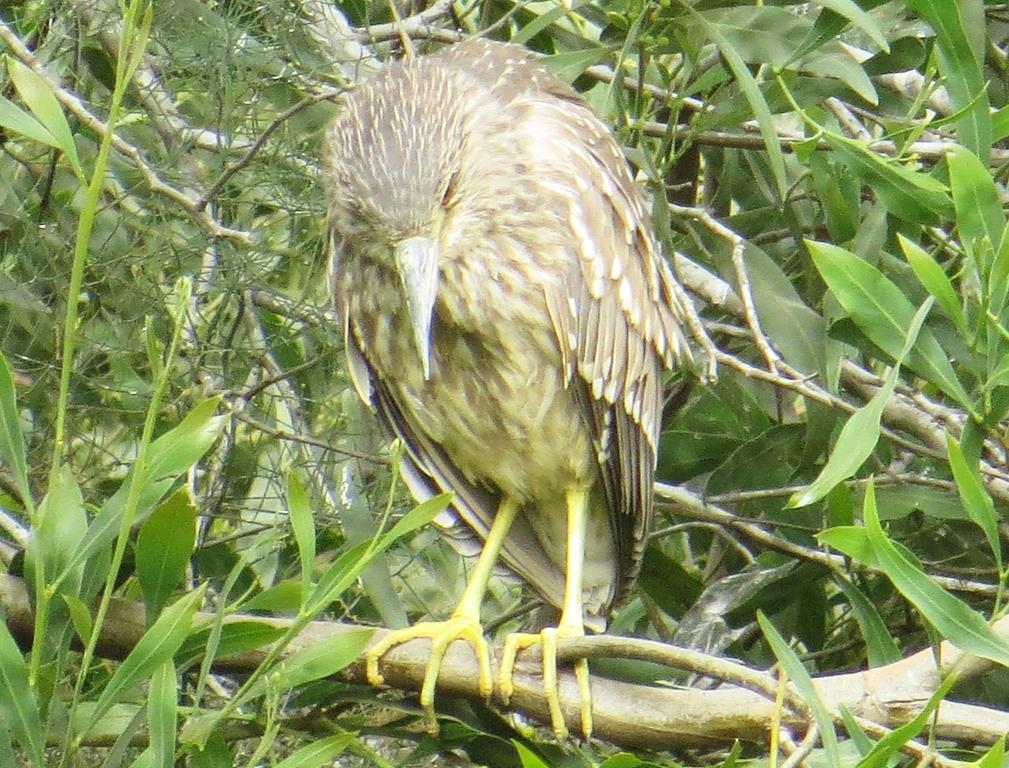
(417,264)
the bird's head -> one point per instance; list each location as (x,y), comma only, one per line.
(391,158)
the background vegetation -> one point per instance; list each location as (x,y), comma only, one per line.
(177,429)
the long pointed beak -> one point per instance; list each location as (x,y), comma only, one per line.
(417,263)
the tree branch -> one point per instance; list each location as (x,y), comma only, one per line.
(632,715)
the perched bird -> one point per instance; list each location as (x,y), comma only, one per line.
(507,315)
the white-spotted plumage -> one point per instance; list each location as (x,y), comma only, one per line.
(555,312)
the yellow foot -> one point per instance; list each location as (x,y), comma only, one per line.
(441,634)
(518,641)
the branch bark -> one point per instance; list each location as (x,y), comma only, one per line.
(631,715)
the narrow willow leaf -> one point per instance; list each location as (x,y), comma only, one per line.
(907,194)
(18,705)
(858,736)
(978,209)
(624,760)
(62,522)
(859,19)
(318,753)
(283,597)
(961,71)
(323,658)
(527,756)
(157,645)
(167,457)
(751,91)
(164,545)
(975,499)
(955,620)
(80,616)
(17,121)
(879,645)
(883,313)
(235,637)
(12,443)
(570,65)
(1000,123)
(803,683)
(994,757)
(854,445)
(38,96)
(162,702)
(145,759)
(303,525)
(852,541)
(935,281)
(349,565)
(998,281)
(182,446)
(860,433)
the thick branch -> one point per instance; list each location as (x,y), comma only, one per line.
(624,713)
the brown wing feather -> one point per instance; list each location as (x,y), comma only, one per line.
(624,311)
(619,321)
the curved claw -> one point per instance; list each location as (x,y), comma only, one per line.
(441,634)
(519,641)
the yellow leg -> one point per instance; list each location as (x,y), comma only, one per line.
(464,624)
(570,625)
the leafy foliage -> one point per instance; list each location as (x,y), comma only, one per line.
(177,425)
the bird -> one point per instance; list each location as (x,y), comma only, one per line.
(508,316)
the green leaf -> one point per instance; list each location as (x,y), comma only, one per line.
(751,91)
(851,540)
(182,446)
(144,760)
(348,566)
(935,281)
(164,545)
(12,442)
(169,456)
(906,194)
(883,314)
(960,67)
(860,433)
(798,676)
(998,281)
(162,702)
(880,647)
(954,619)
(62,523)
(527,756)
(622,760)
(771,35)
(236,637)
(283,597)
(38,96)
(303,525)
(80,615)
(979,214)
(976,502)
(323,658)
(319,752)
(16,120)
(1000,123)
(994,757)
(19,706)
(859,19)
(570,65)
(157,645)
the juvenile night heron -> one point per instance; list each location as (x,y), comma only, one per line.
(507,315)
